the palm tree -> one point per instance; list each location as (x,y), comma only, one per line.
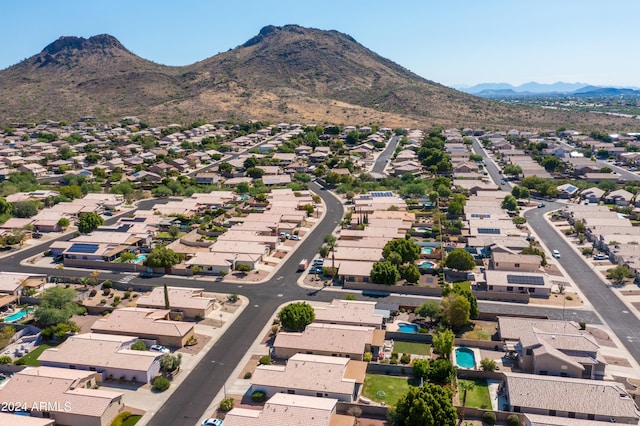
(60,267)
(466,386)
(21,289)
(84,281)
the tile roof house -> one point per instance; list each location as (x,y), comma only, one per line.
(19,420)
(573,398)
(349,312)
(190,301)
(109,355)
(535,284)
(68,396)
(283,409)
(312,375)
(150,324)
(330,339)
(550,347)
(515,262)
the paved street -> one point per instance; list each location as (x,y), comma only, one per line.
(385,156)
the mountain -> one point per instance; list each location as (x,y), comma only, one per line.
(605,91)
(288,73)
(531,87)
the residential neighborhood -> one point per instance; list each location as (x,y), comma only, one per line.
(317,273)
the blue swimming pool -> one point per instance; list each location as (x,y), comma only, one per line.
(426,250)
(465,358)
(426,265)
(140,258)
(17,316)
(408,328)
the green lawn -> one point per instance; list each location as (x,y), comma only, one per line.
(131,420)
(386,389)
(411,348)
(167,236)
(478,397)
(31,358)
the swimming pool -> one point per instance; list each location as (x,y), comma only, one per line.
(17,316)
(426,265)
(408,328)
(426,250)
(465,358)
(140,258)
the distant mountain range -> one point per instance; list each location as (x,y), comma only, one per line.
(490,90)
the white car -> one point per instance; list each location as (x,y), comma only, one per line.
(212,422)
(600,256)
(556,254)
(160,348)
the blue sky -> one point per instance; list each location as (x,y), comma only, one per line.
(453,42)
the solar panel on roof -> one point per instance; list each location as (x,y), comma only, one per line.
(492,231)
(525,279)
(382,194)
(571,188)
(83,248)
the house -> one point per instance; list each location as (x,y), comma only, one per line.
(354,271)
(189,301)
(535,284)
(109,355)
(15,284)
(36,169)
(330,339)
(573,398)
(9,418)
(620,197)
(284,409)
(567,190)
(65,395)
(350,312)
(515,262)
(556,348)
(592,195)
(212,263)
(149,324)
(312,375)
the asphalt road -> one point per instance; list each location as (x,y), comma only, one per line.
(383,158)
(612,310)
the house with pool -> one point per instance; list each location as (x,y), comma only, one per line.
(549,347)
(351,312)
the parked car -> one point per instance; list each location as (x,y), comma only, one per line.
(107,214)
(601,256)
(556,254)
(160,348)
(319,261)
(212,422)
(146,275)
(294,237)
(541,205)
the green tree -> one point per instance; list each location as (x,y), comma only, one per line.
(384,273)
(57,306)
(90,221)
(63,222)
(127,257)
(170,363)
(255,172)
(296,316)
(410,273)
(427,405)
(71,191)
(520,192)
(250,163)
(24,209)
(139,346)
(510,203)
(408,250)
(167,304)
(456,310)
(443,343)
(488,364)
(421,369)
(442,372)
(536,251)
(512,170)
(124,188)
(225,167)
(429,309)
(243,188)
(460,260)
(619,273)
(162,257)
(394,258)
(551,164)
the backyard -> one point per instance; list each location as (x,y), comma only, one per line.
(411,348)
(387,389)
(477,393)
(31,358)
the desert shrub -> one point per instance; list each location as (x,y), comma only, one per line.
(513,420)
(243,268)
(120,418)
(161,384)
(405,359)
(247,375)
(489,417)
(265,360)
(139,346)
(227,404)
(258,396)
(5,359)
(367,357)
